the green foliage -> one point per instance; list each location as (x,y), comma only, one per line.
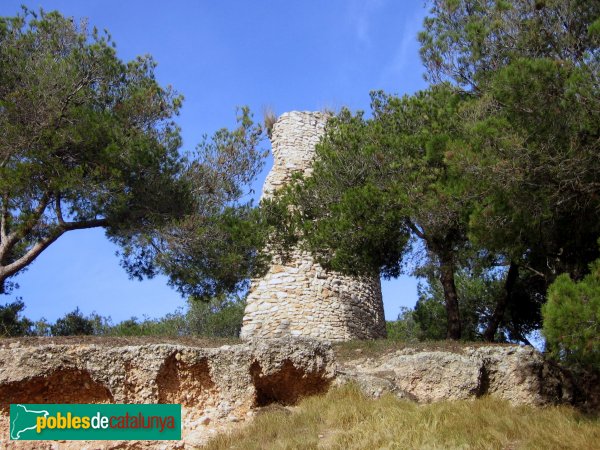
(87,139)
(73,324)
(214,249)
(405,328)
(430,315)
(537,171)
(343,192)
(41,327)
(11,324)
(467,41)
(376,181)
(529,158)
(497,160)
(530,146)
(572,319)
(172,325)
(220,317)
(215,318)
(477,292)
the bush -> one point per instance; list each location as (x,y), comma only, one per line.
(405,328)
(73,324)
(41,327)
(10,322)
(172,325)
(219,317)
(216,318)
(572,319)
(430,316)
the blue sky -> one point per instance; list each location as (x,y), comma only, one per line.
(267,54)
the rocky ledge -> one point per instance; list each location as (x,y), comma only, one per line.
(220,387)
(510,372)
(217,387)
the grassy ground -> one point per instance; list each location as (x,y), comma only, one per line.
(345,419)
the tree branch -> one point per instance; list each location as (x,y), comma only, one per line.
(27,258)
(11,269)
(416,230)
(20,232)
(531,269)
(28,225)
(83,224)
(4,219)
(57,207)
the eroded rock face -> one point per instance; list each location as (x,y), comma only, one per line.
(520,375)
(217,387)
(511,372)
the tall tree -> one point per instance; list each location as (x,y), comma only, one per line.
(531,136)
(377,181)
(466,41)
(500,154)
(87,140)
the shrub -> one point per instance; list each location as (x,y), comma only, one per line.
(41,327)
(572,319)
(219,317)
(216,318)
(405,328)
(11,324)
(173,325)
(73,324)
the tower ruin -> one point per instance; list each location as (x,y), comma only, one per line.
(298,297)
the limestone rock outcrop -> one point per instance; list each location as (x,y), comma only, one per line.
(220,388)
(510,372)
(297,297)
(217,387)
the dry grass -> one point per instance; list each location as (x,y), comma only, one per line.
(269,119)
(377,348)
(345,419)
(119,341)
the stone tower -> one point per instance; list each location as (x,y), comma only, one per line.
(298,297)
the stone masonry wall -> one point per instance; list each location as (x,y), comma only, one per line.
(299,297)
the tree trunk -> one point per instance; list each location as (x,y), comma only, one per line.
(450,296)
(509,284)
